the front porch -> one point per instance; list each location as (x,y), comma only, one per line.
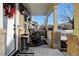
(43,50)
(11,32)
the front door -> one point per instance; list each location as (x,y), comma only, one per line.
(10,39)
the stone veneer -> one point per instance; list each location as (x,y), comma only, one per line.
(2,42)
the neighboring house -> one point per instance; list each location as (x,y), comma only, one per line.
(65,26)
(34,25)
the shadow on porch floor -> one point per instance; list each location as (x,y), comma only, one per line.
(43,51)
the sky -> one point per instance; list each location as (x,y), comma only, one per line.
(39,19)
(69,9)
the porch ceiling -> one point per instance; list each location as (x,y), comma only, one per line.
(38,8)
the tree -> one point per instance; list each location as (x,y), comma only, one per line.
(67,14)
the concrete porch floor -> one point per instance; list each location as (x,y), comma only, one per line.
(44,51)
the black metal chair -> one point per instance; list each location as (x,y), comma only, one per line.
(36,39)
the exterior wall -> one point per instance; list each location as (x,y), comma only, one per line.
(21,23)
(20,29)
(2,42)
(2,32)
(1,15)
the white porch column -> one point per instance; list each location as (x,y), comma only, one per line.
(27,24)
(46,25)
(27,28)
(17,23)
(1,15)
(55,16)
(76,19)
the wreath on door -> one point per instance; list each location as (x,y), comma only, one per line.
(9,9)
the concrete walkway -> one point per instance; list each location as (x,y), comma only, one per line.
(45,51)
